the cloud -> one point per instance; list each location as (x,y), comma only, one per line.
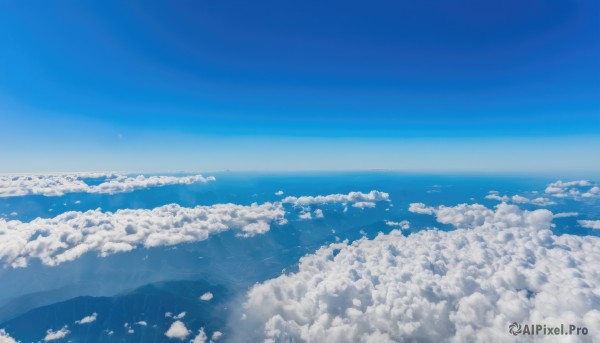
(86,320)
(141,323)
(59,184)
(279,193)
(590,224)
(206,296)
(566,214)
(319,213)
(180,316)
(518,199)
(6,338)
(177,330)
(352,197)
(54,335)
(499,266)
(573,189)
(200,337)
(364,204)
(216,336)
(68,236)
(404,224)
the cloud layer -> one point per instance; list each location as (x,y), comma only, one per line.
(501,265)
(72,234)
(518,199)
(359,199)
(57,185)
(580,189)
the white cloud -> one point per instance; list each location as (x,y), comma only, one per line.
(352,197)
(72,234)
(590,224)
(206,296)
(566,214)
(573,189)
(434,286)
(318,213)
(419,208)
(177,330)
(216,336)
(88,319)
(6,338)
(142,323)
(404,224)
(200,337)
(180,316)
(518,199)
(364,204)
(59,184)
(305,216)
(54,335)
(279,193)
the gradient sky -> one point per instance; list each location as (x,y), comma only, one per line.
(202,85)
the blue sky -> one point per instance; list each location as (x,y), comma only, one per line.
(300,85)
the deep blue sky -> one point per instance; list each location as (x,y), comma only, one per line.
(216,84)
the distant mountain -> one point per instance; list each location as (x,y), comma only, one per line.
(145,305)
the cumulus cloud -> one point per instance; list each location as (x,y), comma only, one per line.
(200,337)
(59,334)
(518,199)
(68,236)
(142,323)
(206,296)
(577,190)
(499,266)
(6,338)
(365,199)
(590,224)
(279,193)
(88,319)
(404,224)
(177,330)
(59,184)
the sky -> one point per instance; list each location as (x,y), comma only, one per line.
(205,85)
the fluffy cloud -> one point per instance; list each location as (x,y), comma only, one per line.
(573,189)
(279,193)
(404,224)
(364,199)
(177,330)
(201,337)
(499,266)
(6,338)
(206,296)
(88,319)
(54,335)
(59,184)
(72,234)
(590,224)
(518,199)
